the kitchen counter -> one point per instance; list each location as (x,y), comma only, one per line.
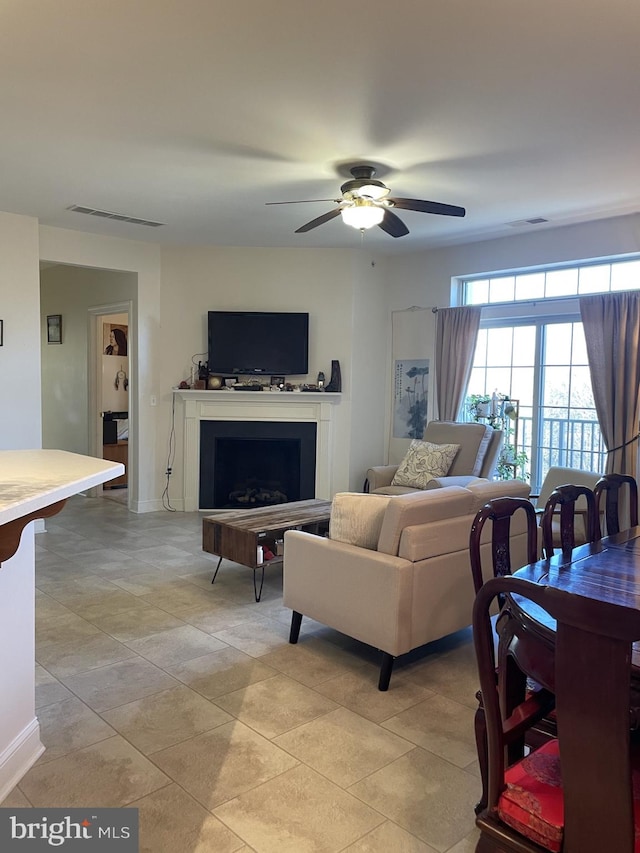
(33,479)
(36,483)
(33,484)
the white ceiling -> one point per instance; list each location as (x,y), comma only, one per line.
(194,113)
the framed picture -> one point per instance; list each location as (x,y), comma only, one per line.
(278,380)
(411,395)
(115,339)
(54,329)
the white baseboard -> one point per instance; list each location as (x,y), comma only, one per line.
(21,754)
(156,505)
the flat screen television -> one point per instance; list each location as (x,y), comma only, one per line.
(258,342)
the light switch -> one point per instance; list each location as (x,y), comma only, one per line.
(153,400)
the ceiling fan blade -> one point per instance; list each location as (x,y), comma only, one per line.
(393,225)
(428,206)
(326,217)
(301,201)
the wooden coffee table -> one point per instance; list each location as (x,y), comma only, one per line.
(236,534)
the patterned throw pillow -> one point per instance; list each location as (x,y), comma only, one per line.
(424,461)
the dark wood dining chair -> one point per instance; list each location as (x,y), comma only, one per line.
(612,488)
(500,513)
(565,505)
(574,793)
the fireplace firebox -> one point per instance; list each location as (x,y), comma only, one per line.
(245,464)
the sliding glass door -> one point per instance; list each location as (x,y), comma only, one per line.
(543,365)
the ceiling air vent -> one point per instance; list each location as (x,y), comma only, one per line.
(120,217)
(519,223)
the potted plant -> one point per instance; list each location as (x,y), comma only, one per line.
(500,412)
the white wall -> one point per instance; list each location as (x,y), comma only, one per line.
(20,429)
(91,250)
(320,281)
(371,342)
(20,353)
(343,306)
(350,304)
(425,278)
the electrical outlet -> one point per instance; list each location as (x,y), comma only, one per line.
(153,400)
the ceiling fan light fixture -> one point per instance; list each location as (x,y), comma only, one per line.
(362,214)
(376,190)
(366,202)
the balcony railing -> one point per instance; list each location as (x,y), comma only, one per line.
(570,443)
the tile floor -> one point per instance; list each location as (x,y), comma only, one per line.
(157,690)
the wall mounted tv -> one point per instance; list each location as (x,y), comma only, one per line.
(258,342)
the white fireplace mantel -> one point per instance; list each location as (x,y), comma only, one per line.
(223,405)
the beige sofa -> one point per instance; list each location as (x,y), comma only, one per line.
(395,573)
(479,450)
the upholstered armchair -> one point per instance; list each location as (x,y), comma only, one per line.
(558,476)
(479,447)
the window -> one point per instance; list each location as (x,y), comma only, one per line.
(531,347)
(552,283)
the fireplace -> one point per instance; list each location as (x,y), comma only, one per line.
(319,409)
(246,464)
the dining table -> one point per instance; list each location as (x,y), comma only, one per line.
(590,663)
(608,571)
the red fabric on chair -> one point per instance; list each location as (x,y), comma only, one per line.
(532,803)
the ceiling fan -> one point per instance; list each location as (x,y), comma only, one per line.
(366,202)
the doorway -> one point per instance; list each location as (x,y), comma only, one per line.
(109,395)
(71,398)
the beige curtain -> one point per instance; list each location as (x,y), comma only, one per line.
(612,330)
(456,336)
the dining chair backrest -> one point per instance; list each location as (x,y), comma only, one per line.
(620,495)
(565,498)
(500,512)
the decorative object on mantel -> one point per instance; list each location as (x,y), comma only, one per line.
(54,329)
(201,382)
(320,381)
(247,386)
(214,382)
(335,384)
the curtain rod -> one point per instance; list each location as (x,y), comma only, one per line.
(415,308)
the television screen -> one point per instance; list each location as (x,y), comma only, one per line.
(258,342)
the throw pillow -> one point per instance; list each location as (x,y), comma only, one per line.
(357,518)
(424,461)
